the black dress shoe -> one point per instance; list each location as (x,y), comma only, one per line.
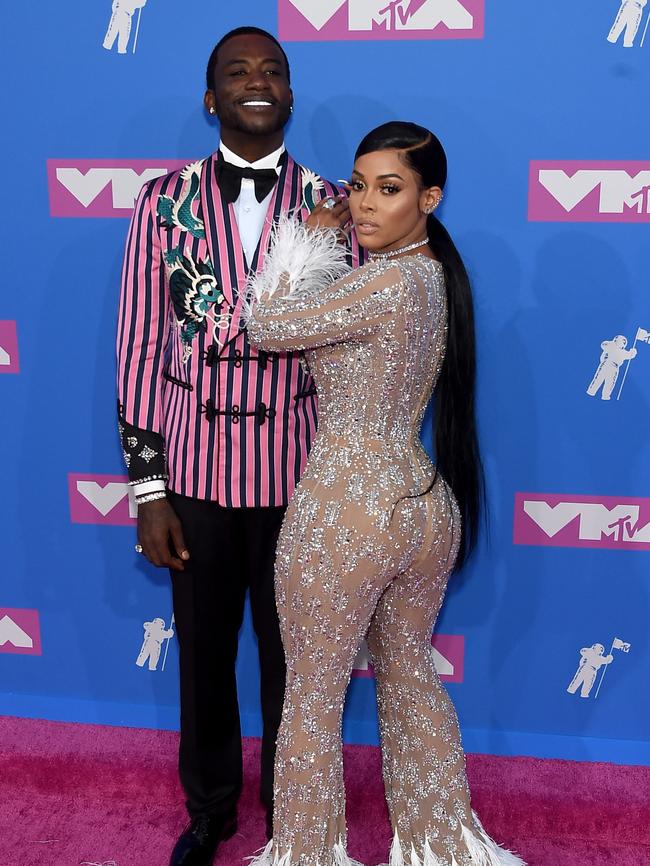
(269,824)
(198,843)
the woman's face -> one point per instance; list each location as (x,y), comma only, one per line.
(387,201)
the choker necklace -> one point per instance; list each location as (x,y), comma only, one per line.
(392,253)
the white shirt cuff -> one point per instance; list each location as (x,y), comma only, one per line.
(146,487)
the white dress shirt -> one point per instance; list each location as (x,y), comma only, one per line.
(249,212)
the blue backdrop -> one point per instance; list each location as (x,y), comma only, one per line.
(547,133)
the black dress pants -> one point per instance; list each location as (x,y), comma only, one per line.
(231,550)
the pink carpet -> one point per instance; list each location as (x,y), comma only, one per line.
(83,794)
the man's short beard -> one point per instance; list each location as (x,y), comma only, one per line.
(235,122)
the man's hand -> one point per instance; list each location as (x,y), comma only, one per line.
(324,217)
(161,535)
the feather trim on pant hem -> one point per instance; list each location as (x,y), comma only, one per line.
(485,851)
(266,857)
(482,849)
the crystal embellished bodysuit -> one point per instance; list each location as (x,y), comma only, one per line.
(366,551)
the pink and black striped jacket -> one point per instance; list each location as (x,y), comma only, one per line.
(197,404)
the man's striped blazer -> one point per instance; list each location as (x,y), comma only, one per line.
(197,404)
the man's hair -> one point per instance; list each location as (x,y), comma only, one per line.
(241,31)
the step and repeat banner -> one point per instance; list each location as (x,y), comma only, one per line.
(543,641)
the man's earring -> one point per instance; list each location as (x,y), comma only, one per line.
(212,111)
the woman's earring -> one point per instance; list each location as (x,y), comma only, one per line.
(428,211)
(212,111)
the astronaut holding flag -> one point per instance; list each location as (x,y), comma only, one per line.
(628,19)
(592,659)
(614,354)
(119,26)
(154,635)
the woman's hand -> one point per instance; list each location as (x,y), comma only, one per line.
(330,213)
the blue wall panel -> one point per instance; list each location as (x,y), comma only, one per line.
(523,106)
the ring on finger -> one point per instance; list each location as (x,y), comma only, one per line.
(329,204)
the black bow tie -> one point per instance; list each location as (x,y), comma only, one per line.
(229,178)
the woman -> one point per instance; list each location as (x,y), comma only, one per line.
(374,530)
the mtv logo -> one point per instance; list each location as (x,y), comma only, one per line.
(101,187)
(557,520)
(105,500)
(448,656)
(20,631)
(575,191)
(8,348)
(314,20)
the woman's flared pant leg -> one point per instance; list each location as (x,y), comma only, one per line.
(423,760)
(327,589)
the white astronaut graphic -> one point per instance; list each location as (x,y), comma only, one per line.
(154,635)
(119,27)
(591,660)
(628,21)
(613,355)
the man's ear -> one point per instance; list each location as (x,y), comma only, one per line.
(209,101)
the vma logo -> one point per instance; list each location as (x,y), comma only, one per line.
(556,520)
(448,656)
(101,187)
(571,191)
(8,348)
(105,500)
(20,631)
(312,20)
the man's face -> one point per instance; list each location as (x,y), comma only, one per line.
(251,92)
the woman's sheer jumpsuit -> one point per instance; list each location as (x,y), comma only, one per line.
(363,553)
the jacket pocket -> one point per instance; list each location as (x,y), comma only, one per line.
(169,378)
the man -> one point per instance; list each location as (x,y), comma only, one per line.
(215,434)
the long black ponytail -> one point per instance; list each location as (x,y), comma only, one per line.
(455,438)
